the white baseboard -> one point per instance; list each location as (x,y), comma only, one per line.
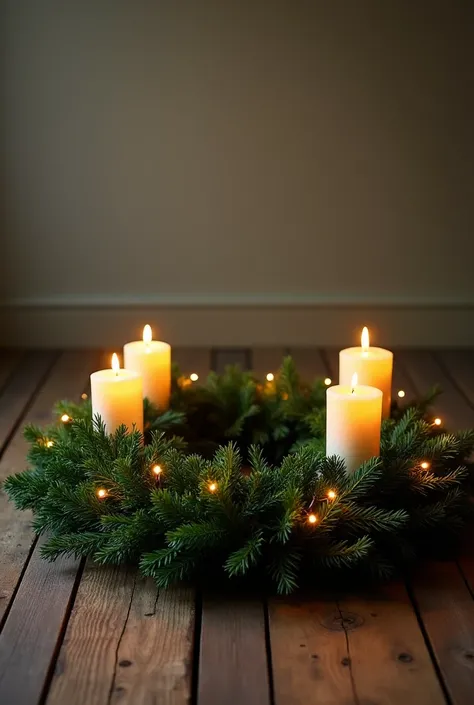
(96,323)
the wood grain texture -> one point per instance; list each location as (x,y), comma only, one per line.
(354,650)
(233,660)
(309,660)
(32,629)
(447,610)
(458,365)
(425,372)
(20,388)
(67,379)
(9,360)
(125,643)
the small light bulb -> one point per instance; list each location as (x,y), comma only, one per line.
(84,396)
(212,487)
(401,393)
(157,469)
(65,418)
(312,518)
(101,493)
(328,381)
(194,377)
(270,377)
(332,494)
(437,422)
(49,444)
(425,465)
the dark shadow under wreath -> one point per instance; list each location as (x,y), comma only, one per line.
(233,482)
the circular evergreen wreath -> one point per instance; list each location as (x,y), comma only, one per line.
(233,481)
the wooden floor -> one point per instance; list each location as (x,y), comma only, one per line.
(78,634)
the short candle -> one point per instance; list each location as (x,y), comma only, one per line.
(354,419)
(373,367)
(117,397)
(152,360)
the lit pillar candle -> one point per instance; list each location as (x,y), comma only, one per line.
(354,418)
(373,367)
(117,397)
(152,360)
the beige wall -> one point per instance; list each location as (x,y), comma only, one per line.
(160,151)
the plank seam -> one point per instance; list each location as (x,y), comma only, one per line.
(268,648)
(13,371)
(119,642)
(402,365)
(17,586)
(31,400)
(467,583)
(325,359)
(429,647)
(62,633)
(444,368)
(197,633)
(348,648)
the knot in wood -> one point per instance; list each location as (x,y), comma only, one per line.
(342,621)
(405,658)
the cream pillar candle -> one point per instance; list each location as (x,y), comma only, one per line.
(373,367)
(354,418)
(117,397)
(152,360)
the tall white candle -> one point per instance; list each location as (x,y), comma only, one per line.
(117,397)
(354,417)
(152,360)
(373,367)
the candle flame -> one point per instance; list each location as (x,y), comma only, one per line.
(364,340)
(115,363)
(147,334)
(354,381)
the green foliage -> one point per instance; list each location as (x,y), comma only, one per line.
(241,506)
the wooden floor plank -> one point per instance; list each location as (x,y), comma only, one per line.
(9,360)
(447,610)
(116,621)
(458,365)
(310,363)
(232,660)
(331,358)
(66,380)
(20,388)
(265,360)
(425,372)
(31,631)
(309,660)
(193,360)
(355,650)
(125,643)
